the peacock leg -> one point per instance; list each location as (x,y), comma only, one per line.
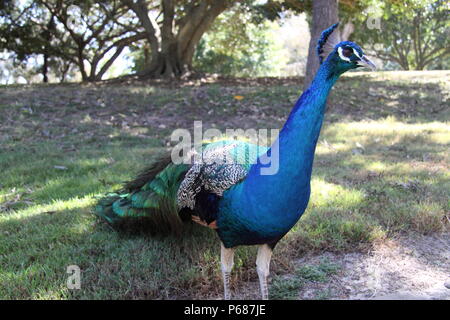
(227,261)
(262,267)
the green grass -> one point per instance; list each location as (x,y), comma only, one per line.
(288,287)
(382,168)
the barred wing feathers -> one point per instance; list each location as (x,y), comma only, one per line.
(155,198)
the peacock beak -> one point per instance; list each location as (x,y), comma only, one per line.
(365,62)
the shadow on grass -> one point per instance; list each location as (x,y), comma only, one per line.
(37,249)
(401,192)
(376,99)
(360,203)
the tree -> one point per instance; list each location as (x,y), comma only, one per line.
(173,29)
(324,14)
(415,34)
(97,32)
(87,34)
(27,31)
(229,49)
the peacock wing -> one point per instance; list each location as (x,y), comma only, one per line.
(220,166)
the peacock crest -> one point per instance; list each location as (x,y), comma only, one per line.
(328,40)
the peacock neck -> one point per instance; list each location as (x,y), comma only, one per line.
(288,188)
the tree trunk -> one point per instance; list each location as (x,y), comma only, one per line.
(166,64)
(324,14)
(48,37)
(347,31)
(172,45)
(65,68)
(45,69)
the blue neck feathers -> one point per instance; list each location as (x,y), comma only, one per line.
(287,191)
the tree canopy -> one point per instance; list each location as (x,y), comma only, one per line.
(171,38)
(413,34)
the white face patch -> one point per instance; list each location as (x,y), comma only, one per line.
(341,55)
(356,53)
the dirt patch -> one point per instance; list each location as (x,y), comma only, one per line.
(413,267)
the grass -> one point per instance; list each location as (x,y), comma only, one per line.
(287,288)
(382,168)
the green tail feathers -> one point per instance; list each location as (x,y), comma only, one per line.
(147,202)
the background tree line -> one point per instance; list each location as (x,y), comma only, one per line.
(173,38)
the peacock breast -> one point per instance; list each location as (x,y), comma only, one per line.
(247,223)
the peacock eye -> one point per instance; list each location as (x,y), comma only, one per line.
(347,52)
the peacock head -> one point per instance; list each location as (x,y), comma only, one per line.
(342,56)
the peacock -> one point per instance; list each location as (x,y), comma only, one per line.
(228,186)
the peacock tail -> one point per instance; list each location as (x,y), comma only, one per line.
(155,199)
(148,201)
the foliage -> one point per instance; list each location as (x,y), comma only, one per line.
(272,9)
(59,39)
(97,32)
(231,49)
(413,34)
(173,29)
(27,33)
(83,33)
